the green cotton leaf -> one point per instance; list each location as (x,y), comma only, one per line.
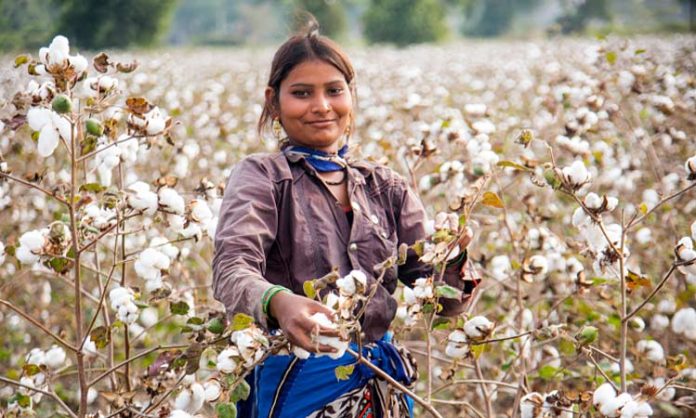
(226,410)
(179,308)
(92,187)
(547,372)
(216,326)
(611,57)
(195,321)
(587,335)
(60,264)
(566,347)
(428,308)
(31,369)
(23,400)
(344,372)
(100,336)
(552,179)
(240,392)
(441,323)
(512,164)
(447,291)
(309,290)
(477,350)
(241,321)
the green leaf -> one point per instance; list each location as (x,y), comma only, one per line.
(447,291)
(226,410)
(179,308)
(92,187)
(552,179)
(309,290)
(11,250)
(100,336)
(441,323)
(216,326)
(21,60)
(60,264)
(31,369)
(344,372)
(428,308)
(547,372)
(241,321)
(23,400)
(611,57)
(477,350)
(512,164)
(491,199)
(195,321)
(566,347)
(240,392)
(640,51)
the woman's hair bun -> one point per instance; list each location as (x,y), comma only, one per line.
(307,25)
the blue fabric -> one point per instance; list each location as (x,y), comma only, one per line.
(320,160)
(311,383)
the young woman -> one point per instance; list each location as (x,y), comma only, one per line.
(295,215)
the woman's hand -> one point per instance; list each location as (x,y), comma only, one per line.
(293,313)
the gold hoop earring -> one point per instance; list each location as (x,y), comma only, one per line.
(277,128)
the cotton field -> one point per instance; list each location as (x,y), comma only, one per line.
(573,162)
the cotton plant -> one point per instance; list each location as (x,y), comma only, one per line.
(623,405)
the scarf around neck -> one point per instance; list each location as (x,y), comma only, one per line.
(320,160)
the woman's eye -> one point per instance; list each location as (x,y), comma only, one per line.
(336,91)
(300,93)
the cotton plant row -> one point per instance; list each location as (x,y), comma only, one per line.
(550,297)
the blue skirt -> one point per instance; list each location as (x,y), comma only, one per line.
(285,386)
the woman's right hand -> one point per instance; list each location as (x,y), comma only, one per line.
(293,313)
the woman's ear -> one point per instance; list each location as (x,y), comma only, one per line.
(271,101)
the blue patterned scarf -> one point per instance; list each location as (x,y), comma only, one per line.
(320,160)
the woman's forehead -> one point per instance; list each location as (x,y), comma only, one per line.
(314,72)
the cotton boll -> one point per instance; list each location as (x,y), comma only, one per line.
(177,413)
(457,346)
(576,175)
(478,328)
(55,357)
(36,356)
(684,322)
(226,360)
(659,322)
(667,306)
(213,390)
(652,350)
(612,407)
(636,323)
(593,201)
(636,409)
(171,201)
(149,317)
(300,352)
(644,235)
(530,403)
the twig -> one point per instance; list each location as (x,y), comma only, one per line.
(35,187)
(52,395)
(608,379)
(129,360)
(495,340)
(484,389)
(95,152)
(379,372)
(39,325)
(653,293)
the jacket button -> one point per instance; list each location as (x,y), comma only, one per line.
(353,247)
(374,219)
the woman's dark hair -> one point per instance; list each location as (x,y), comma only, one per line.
(305,45)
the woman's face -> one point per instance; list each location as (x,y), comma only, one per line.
(315,105)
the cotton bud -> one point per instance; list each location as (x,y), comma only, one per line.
(576,175)
(171,201)
(213,390)
(457,346)
(61,104)
(652,350)
(535,266)
(684,322)
(690,167)
(478,328)
(55,357)
(226,360)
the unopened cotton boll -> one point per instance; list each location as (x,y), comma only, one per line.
(684,322)
(478,328)
(652,350)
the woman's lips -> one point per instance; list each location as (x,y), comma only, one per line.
(321,124)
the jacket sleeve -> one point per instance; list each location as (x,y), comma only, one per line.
(245,233)
(410,221)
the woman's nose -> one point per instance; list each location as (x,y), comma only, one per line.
(321,104)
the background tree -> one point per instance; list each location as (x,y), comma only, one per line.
(25,23)
(488,18)
(576,18)
(403,23)
(114,23)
